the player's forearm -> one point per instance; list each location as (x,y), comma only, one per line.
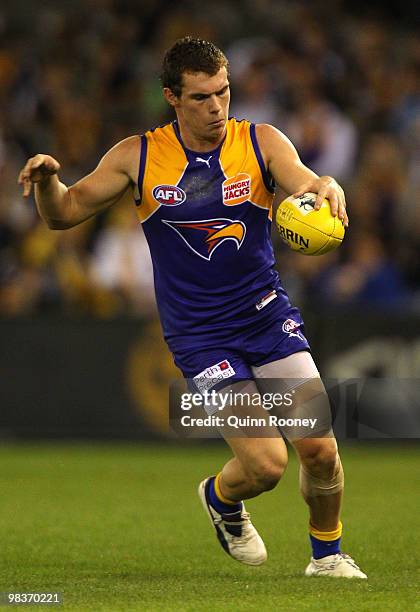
(296,176)
(53,200)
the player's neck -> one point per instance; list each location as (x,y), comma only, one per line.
(199,145)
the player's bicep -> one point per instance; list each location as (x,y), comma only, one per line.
(282,159)
(106,184)
(99,189)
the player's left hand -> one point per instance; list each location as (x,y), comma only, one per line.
(327,187)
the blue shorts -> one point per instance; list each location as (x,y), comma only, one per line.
(232,358)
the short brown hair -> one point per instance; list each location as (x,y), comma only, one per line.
(190,54)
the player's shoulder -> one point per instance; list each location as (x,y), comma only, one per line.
(127,146)
(124,156)
(268,133)
(271,139)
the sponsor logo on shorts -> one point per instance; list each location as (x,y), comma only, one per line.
(236,189)
(266,300)
(291,328)
(209,377)
(169,195)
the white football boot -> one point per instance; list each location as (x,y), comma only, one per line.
(339,565)
(235,532)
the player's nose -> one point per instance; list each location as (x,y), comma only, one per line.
(214,105)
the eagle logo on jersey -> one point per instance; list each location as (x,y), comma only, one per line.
(204,237)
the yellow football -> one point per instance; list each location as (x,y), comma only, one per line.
(308,231)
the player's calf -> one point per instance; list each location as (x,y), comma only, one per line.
(321,484)
(322,492)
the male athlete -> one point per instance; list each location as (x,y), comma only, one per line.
(204,187)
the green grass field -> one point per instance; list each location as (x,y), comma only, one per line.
(119,527)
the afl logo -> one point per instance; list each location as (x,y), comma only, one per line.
(169,195)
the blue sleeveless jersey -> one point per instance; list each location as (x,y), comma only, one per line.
(207,219)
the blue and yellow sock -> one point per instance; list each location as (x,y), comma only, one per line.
(325,543)
(218,501)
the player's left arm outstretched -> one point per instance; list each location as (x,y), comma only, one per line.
(63,207)
(284,164)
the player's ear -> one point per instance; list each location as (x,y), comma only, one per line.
(170,97)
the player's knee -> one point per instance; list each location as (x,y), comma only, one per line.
(321,458)
(267,473)
(325,478)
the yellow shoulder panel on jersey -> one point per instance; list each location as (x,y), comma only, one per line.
(163,155)
(242,167)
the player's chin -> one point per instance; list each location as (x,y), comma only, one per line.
(217,127)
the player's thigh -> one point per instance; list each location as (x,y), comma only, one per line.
(299,372)
(305,411)
(294,367)
(258,445)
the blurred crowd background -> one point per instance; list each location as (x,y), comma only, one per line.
(341,80)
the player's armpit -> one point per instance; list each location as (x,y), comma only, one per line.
(282,159)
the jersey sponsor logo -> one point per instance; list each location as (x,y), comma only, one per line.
(236,189)
(204,237)
(291,328)
(266,300)
(209,377)
(169,195)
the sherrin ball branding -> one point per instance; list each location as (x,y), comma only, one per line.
(309,231)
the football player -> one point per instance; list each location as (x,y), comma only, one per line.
(204,187)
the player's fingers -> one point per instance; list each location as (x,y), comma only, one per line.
(38,161)
(37,167)
(46,164)
(27,169)
(53,166)
(342,213)
(333,198)
(343,197)
(302,189)
(24,176)
(27,186)
(322,193)
(342,205)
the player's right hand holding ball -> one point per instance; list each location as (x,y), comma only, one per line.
(36,170)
